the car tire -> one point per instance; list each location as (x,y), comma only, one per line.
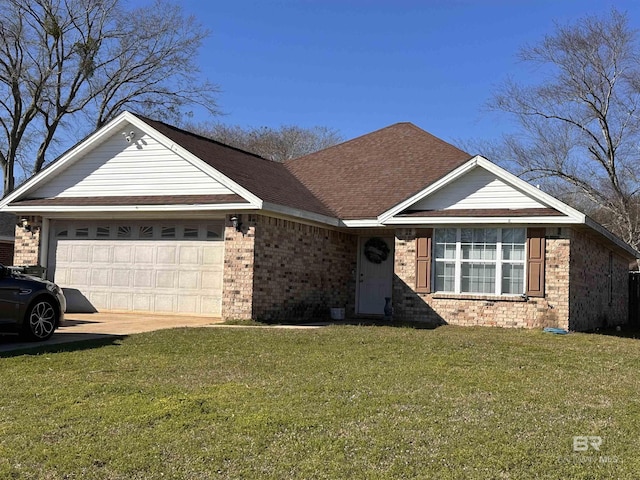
(40,321)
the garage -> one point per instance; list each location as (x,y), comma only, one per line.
(146,266)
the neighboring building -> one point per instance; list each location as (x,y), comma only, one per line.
(7,240)
(142,216)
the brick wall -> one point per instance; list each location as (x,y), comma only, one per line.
(237,281)
(553,310)
(6,253)
(27,244)
(591,304)
(284,270)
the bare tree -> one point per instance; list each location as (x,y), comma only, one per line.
(580,126)
(89,59)
(278,144)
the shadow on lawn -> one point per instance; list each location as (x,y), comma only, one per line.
(626,331)
(14,347)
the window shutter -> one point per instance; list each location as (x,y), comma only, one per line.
(423,260)
(535,262)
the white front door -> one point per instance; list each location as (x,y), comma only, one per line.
(375,274)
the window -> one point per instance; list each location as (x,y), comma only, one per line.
(190,232)
(103,232)
(82,232)
(480,260)
(145,231)
(124,231)
(168,232)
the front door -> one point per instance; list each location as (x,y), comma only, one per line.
(375,274)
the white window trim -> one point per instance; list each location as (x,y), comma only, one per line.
(498,262)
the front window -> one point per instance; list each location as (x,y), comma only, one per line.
(480,260)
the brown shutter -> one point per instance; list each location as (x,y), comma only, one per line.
(535,262)
(423,260)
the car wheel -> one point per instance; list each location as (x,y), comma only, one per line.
(41,320)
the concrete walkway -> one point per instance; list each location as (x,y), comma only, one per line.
(95,326)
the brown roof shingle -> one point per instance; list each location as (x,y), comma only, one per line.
(368,175)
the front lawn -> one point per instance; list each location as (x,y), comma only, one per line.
(337,402)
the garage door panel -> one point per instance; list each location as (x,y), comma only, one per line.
(212,280)
(79,276)
(100,300)
(167,255)
(212,256)
(169,275)
(120,277)
(80,253)
(143,278)
(100,278)
(188,303)
(166,303)
(143,302)
(122,254)
(189,280)
(101,254)
(143,254)
(165,279)
(189,255)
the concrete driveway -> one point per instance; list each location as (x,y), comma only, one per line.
(93,326)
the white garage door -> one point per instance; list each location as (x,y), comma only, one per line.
(147,266)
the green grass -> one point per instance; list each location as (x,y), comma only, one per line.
(330,403)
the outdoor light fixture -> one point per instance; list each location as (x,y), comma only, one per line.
(24,223)
(129,136)
(236,223)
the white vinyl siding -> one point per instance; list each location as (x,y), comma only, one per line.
(137,168)
(488,261)
(478,189)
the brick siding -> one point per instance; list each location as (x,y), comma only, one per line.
(576,289)
(27,244)
(299,271)
(6,253)
(594,302)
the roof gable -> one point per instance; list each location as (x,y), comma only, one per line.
(479,185)
(368,175)
(477,189)
(133,165)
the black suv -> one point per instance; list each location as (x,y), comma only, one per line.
(29,306)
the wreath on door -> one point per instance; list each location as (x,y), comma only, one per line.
(376,250)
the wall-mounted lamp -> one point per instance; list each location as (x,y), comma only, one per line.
(129,136)
(24,223)
(236,223)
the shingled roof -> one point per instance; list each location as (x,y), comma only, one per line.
(369,175)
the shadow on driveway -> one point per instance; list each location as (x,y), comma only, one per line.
(90,330)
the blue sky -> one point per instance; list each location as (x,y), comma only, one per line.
(358,65)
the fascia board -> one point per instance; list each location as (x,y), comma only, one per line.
(366,222)
(128,208)
(611,237)
(540,220)
(298,213)
(435,186)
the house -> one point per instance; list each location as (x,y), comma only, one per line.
(143,216)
